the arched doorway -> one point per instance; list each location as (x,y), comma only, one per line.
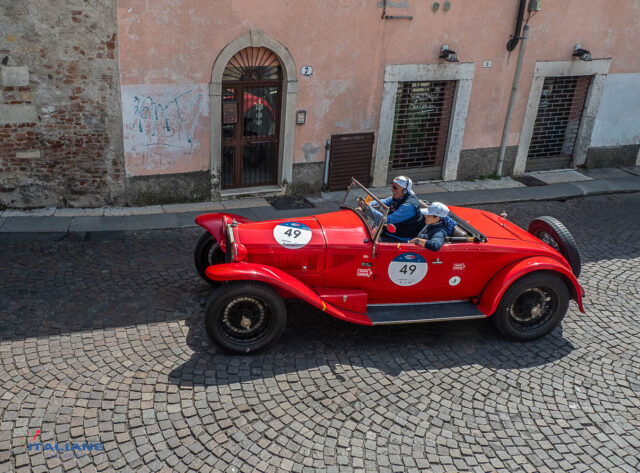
(256,39)
(251,104)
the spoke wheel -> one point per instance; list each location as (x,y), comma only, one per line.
(244,317)
(207,253)
(548,239)
(532,307)
(552,232)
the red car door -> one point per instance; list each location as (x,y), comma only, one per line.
(407,273)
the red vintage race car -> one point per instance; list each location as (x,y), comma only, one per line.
(337,263)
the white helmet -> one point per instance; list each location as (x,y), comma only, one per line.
(405,183)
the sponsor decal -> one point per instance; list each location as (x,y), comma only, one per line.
(407,269)
(62,450)
(366,264)
(364,272)
(458,266)
(292,235)
(454,281)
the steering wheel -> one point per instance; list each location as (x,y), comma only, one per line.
(366,210)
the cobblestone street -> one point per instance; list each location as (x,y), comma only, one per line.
(103,341)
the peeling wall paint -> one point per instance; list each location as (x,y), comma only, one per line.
(60,116)
(166,128)
(309,151)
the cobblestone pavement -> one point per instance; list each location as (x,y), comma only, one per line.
(103,341)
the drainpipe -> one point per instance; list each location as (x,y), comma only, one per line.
(325,181)
(512,100)
(513,42)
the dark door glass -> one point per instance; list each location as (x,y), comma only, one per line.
(258,164)
(259,112)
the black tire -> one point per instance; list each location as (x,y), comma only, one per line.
(207,253)
(234,307)
(533,306)
(551,231)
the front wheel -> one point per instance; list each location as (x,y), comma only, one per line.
(245,317)
(207,253)
(532,307)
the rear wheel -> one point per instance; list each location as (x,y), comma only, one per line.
(532,307)
(207,253)
(244,317)
(551,231)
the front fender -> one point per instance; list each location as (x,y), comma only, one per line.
(493,292)
(213,222)
(284,281)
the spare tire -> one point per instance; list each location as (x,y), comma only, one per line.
(551,231)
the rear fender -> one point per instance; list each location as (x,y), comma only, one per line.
(283,281)
(493,292)
(213,223)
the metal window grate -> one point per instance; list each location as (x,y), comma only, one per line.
(421,124)
(556,127)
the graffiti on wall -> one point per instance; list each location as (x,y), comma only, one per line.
(165,129)
(162,122)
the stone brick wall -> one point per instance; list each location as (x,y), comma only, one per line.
(60,112)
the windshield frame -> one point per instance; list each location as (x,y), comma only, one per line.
(374,232)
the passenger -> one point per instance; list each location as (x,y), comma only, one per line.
(404,211)
(438,226)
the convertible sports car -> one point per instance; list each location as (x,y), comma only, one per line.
(337,263)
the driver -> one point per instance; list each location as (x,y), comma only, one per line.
(404,211)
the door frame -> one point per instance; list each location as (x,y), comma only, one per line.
(241,87)
(396,73)
(256,39)
(598,68)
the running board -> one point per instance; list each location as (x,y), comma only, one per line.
(386,314)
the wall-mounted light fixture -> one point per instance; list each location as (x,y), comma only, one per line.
(301,117)
(447,54)
(583,54)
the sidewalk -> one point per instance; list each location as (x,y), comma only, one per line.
(54,223)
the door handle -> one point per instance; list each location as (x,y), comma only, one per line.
(436,261)
(260,142)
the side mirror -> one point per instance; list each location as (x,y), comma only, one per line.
(391,228)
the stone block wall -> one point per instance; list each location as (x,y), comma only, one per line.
(60,112)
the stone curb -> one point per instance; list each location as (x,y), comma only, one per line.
(49,223)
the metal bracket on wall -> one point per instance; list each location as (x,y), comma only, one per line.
(392,17)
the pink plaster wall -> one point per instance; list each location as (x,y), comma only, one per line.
(165,128)
(174,42)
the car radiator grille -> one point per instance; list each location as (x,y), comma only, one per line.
(289,261)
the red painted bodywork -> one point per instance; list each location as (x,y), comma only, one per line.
(283,281)
(337,271)
(213,222)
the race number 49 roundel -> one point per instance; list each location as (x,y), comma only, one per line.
(407,269)
(292,235)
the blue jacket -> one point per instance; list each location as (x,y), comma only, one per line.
(404,213)
(436,233)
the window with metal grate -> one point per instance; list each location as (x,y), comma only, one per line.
(557,122)
(421,124)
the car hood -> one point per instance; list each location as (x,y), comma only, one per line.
(343,227)
(493,226)
(299,244)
